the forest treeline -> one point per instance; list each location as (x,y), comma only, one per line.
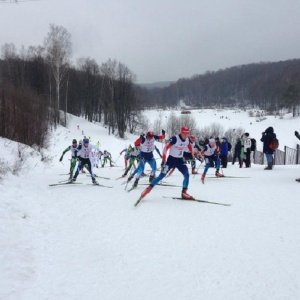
(39,86)
(269,86)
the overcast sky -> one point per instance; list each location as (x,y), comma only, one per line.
(162,40)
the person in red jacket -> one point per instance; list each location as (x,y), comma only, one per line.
(146,146)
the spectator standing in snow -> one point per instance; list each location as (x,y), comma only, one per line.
(247,150)
(225,147)
(267,137)
(237,151)
(297,136)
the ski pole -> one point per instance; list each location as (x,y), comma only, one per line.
(128,178)
(117,158)
(198,167)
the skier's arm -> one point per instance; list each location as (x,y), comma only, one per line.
(137,143)
(66,150)
(166,148)
(160,137)
(171,142)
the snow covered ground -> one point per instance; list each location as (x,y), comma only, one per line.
(89,242)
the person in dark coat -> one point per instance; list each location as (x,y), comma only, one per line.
(237,151)
(267,138)
(224,151)
(298,137)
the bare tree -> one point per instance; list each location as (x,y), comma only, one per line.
(58,51)
(91,87)
(109,73)
(172,124)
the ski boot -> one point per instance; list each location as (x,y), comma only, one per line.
(95,182)
(73,180)
(151,177)
(218,174)
(203,177)
(135,184)
(194,171)
(129,178)
(269,166)
(185,195)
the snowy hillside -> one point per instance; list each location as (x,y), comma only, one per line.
(89,242)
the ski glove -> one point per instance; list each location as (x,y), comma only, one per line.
(163,132)
(297,134)
(164,167)
(61,158)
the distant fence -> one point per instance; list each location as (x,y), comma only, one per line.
(287,157)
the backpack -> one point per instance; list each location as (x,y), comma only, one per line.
(274,144)
(253,145)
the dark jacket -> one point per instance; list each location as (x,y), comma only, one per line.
(238,146)
(267,138)
(224,147)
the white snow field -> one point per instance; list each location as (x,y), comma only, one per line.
(84,242)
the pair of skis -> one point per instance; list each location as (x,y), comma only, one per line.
(97,176)
(74,183)
(217,177)
(195,200)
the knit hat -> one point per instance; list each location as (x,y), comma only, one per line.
(185,130)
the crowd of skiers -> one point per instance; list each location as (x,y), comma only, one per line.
(86,155)
(182,149)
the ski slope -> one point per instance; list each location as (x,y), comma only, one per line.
(89,242)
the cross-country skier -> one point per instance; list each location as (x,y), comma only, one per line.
(177,145)
(127,152)
(146,146)
(106,157)
(211,156)
(73,149)
(84,155)
(134,156)
(189,157)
